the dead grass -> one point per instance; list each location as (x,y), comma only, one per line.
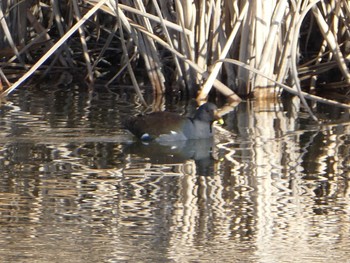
(187,46)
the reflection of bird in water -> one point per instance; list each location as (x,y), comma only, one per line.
(176,152)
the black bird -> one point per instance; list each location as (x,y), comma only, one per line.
(168,126)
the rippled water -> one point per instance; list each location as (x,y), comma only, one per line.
(273,187)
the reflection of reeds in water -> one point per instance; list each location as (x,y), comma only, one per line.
(287,178)
(181,42)
(263,199)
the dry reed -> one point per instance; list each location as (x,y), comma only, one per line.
(184,44)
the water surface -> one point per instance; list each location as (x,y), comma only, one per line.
(272,187)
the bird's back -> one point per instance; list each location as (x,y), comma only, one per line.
(157,125)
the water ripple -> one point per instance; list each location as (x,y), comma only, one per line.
(73,187)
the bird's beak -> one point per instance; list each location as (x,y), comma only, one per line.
(218,119)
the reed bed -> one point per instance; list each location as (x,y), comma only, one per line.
(238,48)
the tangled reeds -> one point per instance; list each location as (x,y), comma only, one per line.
(236,46)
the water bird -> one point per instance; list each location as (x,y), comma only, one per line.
(164,126)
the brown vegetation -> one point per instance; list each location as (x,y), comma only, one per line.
(238,47)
